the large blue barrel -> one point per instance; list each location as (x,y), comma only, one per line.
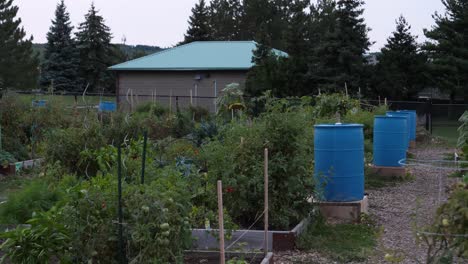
(408,121)
(339,161)
(412,125)
(390,137)
(107,106)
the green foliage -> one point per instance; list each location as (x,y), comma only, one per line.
(198,24)
(232,94)
(401,67)
(18,62)
(45,241)
(93,43)
(36,196)
(237,159)
(153,109)
(67,145)
(61,58)
(6,158)
(333,104)
(342,242)
(447,48)
(451,221)
(463,138)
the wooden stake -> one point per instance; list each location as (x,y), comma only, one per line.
(265,247)
(221,223)
(191,97)
(385,101)
(346,88)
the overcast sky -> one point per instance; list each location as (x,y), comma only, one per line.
(164,22)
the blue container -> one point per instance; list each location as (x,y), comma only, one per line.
(39,103)
(408,121)
(413,120)
(339,162)
(390,137)
(107,106)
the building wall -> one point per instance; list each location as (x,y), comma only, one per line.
(172,86)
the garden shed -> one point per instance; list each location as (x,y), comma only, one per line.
(193,73)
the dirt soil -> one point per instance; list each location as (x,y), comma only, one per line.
(400,211)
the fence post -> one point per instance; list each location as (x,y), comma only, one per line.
(266,201)
(143,161)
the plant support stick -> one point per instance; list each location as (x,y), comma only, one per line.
(221,223)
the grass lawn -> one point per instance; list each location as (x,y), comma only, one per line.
(448,133)
(66,100)
(342,242)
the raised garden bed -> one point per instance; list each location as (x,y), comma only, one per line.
(12,168)
(212,257)
(251,239)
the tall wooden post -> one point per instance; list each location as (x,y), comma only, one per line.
(265,174)
(222,258)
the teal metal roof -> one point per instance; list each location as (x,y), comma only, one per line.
(199,55)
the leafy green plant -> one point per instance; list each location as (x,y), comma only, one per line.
(446,237)
(6,158)
(45,241)
(463,138)
(36,196)
(328,105)
(236,157)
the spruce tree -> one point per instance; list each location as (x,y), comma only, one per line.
(199,29)
(400,71)
(18,62)
(448,48)
(224,19)
(96,52)
(61,56)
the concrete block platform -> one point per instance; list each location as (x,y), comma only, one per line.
(388,172)
(345,211)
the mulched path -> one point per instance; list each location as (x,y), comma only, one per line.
(401,210)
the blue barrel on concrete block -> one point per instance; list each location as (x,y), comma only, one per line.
(107,106)
(339,161)
(408,121)
(412,124)
(390,137)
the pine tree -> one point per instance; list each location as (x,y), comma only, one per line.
(61,56)
(18,62)
(448,49)
(341,34)
(199,29)
(224,19)
(354,42)
(96,52)
(400,71)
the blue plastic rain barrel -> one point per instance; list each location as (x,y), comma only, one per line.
(390,137)
(107,106)
(408,121)
(339,161)
(39,103)
(413,120)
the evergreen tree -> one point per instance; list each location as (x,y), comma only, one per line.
(18,62)
(224,19)
(96,52)
(338,58)
(199,29)
(61,56)
(400,71)
(448,49)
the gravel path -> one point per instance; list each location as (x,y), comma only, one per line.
(399,210)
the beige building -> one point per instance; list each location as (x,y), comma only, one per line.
(194,73)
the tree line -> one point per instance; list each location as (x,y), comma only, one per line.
(70,62)
(328,46)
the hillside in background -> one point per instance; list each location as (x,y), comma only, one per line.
(131,51)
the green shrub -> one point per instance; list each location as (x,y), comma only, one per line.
(237,159)
(451,221)
(198,113)
(6,158)
(36,196)
(153,109)
(328,105)
(46,241)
